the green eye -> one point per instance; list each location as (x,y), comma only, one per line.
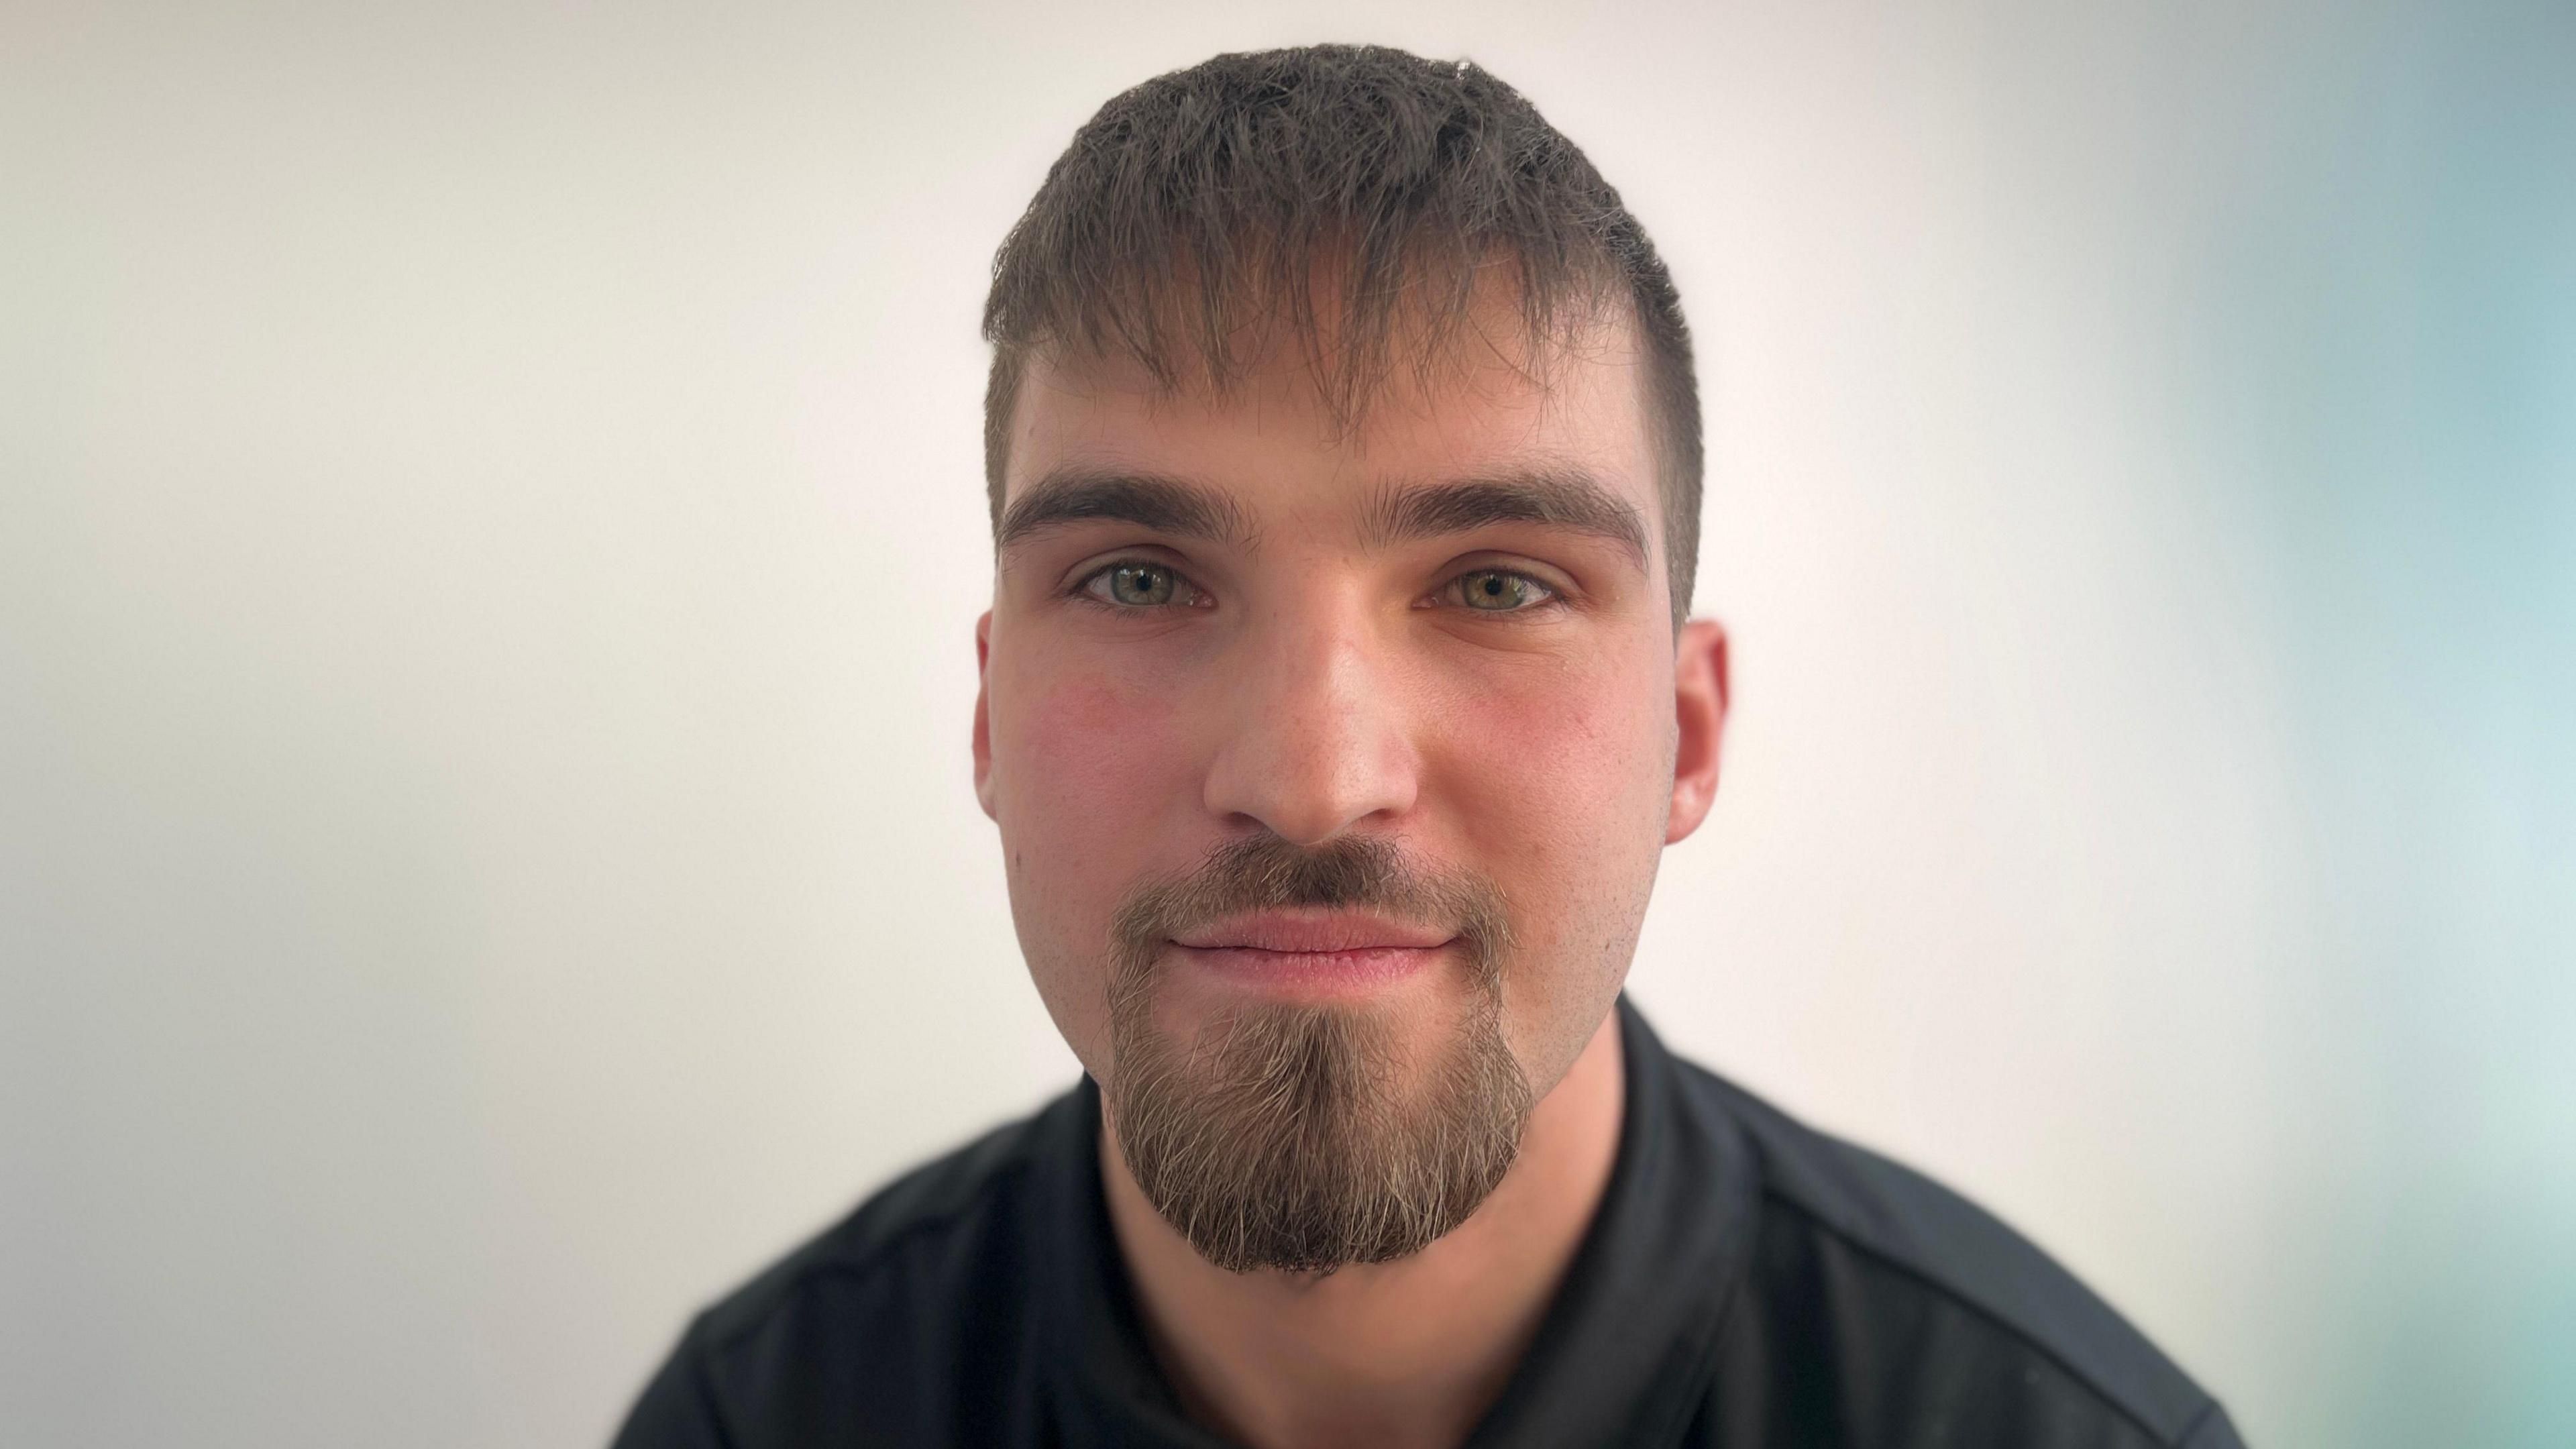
(1496,590)
(1138,585)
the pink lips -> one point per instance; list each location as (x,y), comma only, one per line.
(1306,931)
(1314,948)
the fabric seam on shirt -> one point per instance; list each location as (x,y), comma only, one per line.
(1706,1353)
(864,1263)
(2198,1422)
(706,1382)
(1982,1309)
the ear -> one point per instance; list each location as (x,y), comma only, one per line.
(983,741)
(1699,703)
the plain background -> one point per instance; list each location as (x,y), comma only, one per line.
(490,524)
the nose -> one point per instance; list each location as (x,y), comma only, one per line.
(1315,736)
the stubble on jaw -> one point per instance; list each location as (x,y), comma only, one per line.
(1298,1137)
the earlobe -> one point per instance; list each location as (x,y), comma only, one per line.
(1699,704)
(982,744)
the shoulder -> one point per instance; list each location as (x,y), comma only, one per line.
(867,1327)
(1894,1278)
(911,1230)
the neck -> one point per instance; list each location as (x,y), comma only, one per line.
(1401,1355)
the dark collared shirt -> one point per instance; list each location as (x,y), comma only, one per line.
(1746,1282)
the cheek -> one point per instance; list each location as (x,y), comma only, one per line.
(1578,750)
(1083,746)
(1086,774)
(1559,782)
(1085,778)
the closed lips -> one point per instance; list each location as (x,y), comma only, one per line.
(1313,933)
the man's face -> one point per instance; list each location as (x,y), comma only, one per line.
(1370,732)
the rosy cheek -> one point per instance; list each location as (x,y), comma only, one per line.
(1561,731)
(1555,777)
(1091,771)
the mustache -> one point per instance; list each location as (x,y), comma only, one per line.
(1266,872)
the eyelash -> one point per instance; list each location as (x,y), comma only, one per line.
(1549,595)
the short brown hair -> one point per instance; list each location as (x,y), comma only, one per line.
(1193,210)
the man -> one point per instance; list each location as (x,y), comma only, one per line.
(1338,698)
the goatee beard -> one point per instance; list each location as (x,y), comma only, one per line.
(1298,1137)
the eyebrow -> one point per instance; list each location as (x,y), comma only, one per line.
(1148,500)
(1555,497)
(1562,497)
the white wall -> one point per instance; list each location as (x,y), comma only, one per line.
(490,521)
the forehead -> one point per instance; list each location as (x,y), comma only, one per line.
(1276,441)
